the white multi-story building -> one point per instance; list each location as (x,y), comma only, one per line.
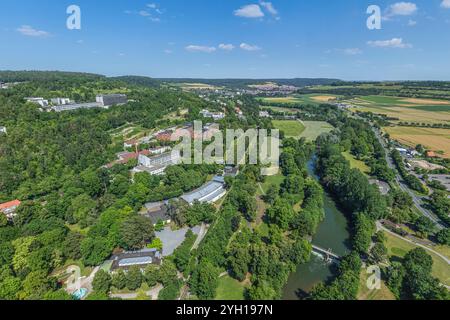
(60,101)
(215,115)
(156,165)
(40,101)
(108,100)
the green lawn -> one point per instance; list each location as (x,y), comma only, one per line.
(276,180)
(357,164)
(230,289)
(399,248)
(365,293)
(291,128)
(313,129)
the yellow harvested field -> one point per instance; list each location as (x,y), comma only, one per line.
(427,101)
(323,98)
(408,114)
(433,139)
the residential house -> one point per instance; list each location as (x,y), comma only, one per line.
(130,143)
(9,208)
(164,136)
(157,212)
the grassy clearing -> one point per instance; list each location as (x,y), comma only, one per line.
(433,139)
(399,248)
(365,293)
(230,289)
(291,128)
(313,129)
(276,180)
(357,164)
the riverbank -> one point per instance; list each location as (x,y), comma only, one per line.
(332,234)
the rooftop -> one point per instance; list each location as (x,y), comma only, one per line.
(10,204)
(136,258)
(207,192)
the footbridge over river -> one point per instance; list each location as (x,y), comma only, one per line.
(327,253)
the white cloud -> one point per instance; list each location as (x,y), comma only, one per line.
(393,43)
(445,4)
(205,49)
(80,41)
(144,13)
(352,51)
(402,9)
(226,47)
(151,5)
(249,11)
(412,23)
(168,51)
(269,7)
(31,32)
(249,47)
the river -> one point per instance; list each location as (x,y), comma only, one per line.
(332,234)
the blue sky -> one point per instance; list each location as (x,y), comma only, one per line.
(230,38)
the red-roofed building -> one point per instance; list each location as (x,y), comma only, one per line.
(130,143)
(9,208)
(124,157)
(164,136)
(431,154)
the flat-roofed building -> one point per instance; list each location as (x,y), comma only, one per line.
(211,192)
(108,100)
(3,129)
(38,100)
(166,159)
(152,170)
(140,259)
(60,101)
(72,107)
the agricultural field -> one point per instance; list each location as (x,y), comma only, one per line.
(289,111)
(291,128)
(230,289)
(195,86)
(357,164)
(437,140)
(301,99)
(399,248)
(313,129)
(404,109)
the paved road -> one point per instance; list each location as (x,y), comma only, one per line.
(381,227)
(153,293)
(418,201)
(201,235)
